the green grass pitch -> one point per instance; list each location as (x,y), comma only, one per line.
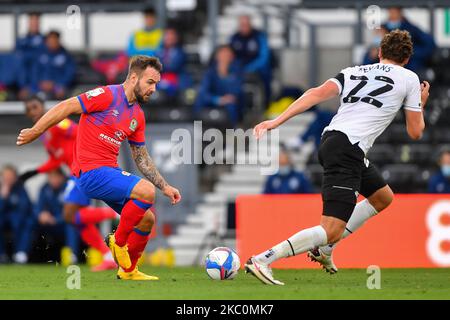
(49,282)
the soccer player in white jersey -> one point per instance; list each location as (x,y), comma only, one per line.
(370,97)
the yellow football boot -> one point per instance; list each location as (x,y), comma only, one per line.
(120,254)
(67,256)
(134,275)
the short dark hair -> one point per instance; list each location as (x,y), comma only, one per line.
(34,98)
(53,33)
(140,62)
(58,171)
(150,11)
(396,46)
(34,13)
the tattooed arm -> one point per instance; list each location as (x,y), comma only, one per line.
(148,168)
(146,165)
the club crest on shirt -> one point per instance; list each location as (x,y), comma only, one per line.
(120,135)
(133,124)
(94,92)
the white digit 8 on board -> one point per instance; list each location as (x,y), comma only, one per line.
(439,233)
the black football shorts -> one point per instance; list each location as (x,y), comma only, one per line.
(346,174)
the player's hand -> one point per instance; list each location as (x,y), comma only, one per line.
(46,218)
(264,126)
(5,190)
(26,136)
(172,193)
(424,94)
(227,99)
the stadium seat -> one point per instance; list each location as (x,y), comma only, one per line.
(421,180)
(215,118)
(400,176)
(80,58)
(85,75)
(169,114)
(397,134)
(443,117)
(315,172)
(414,154)
(441,135)
(313,158)
(381,154)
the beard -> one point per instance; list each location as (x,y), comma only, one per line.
(140,97)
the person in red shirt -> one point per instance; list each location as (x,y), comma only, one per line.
(59,142)
(110,115)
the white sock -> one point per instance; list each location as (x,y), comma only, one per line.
(108,256)
(363,211)
(300,242)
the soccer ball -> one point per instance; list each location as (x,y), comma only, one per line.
(222,263)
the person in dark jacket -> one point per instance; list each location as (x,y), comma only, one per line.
(28,48)
(287,180)
(251,47)
(440,181)
(423,43)
(371,55)
(15,213)
(221,86)
(49,212)
(55,68)
(173,58)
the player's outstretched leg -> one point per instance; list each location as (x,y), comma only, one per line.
(132,213)
(363,211)
(324,254)
(326,260)
(136,243)
(305,240)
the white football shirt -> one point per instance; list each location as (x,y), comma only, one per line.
(371,95)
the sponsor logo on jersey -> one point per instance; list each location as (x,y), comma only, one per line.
(133,124)
(120,135)
(108,139)
(126,173)
(93,93)
(115,112)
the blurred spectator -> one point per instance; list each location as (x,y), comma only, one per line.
(252,49)
(148,40)
(423,42)
(221,86)
(29,48)
(440,181)
(55,68)
(11,75)
(371,55)
(173,58)
(287,180)
(49,213)
(15,212)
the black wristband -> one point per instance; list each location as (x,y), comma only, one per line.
(27,175)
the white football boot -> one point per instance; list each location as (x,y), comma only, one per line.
(317,255)
(261,271)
